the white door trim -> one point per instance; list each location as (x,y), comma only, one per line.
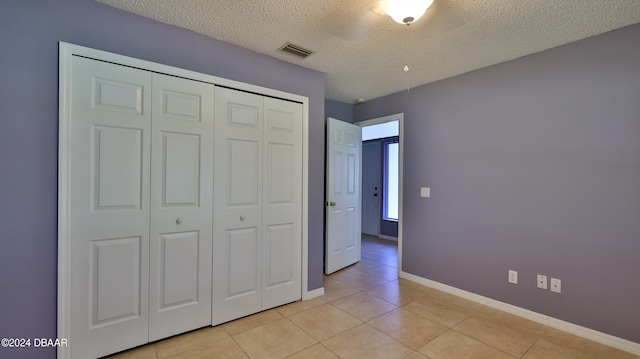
(400,118)
(66,52)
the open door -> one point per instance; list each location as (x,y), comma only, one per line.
(342,202)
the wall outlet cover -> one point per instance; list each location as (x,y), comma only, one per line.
(556,285)
(513,277)
(542,281)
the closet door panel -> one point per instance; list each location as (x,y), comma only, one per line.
(178,269)
(282,210)
(181,206)
(237,205)
(110,124)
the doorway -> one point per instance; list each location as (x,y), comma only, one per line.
(382,153)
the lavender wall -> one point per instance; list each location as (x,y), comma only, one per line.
(29,35)
(338,110)
(534,165)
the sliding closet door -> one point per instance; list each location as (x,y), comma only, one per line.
(237,205)
(282,198)
(181,206)
(110,124)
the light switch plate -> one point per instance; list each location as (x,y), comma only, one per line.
(425,192)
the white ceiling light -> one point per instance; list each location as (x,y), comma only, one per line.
(406,11)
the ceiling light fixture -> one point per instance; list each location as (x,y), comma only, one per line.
(406,11)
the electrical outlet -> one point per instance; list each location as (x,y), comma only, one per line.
(513,277)
(556,285)
(542,281)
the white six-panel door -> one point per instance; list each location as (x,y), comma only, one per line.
(181,206)
(257,204)
(282,198)
(237,205)
(109,230)
(342,244)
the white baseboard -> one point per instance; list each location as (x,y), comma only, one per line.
(313,293)
(594,335)
(389,238)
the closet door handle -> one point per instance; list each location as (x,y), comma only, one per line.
(179,220)
(241,218)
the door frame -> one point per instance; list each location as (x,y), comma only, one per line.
(66,52)
(400,118)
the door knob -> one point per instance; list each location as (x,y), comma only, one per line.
(331,204)
(179,220)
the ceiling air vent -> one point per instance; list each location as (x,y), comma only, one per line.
(296,50)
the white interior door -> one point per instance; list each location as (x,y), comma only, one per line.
(371,187)
(181,206)
(238,198)
(282,203)
(342,243)
(110,127)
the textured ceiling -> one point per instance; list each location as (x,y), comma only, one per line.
(362,51)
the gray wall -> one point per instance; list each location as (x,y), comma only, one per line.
(534,165)
(29,35)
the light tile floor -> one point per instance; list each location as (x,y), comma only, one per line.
(367,312)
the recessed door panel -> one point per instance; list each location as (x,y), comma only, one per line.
(353,138)
(351,174)
(243,115)
(351,224)
(281,121)
(336,247)
(117,168)
(181,105)
(243,172)
(281,173)
(115,267)
(113,95)
(243,255)
(338,135)
(337,178)
(181,167)
(178,279)
(278,260)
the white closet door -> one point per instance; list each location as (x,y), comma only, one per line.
(181,206)
(237,205)
(109,206)
(282,203)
